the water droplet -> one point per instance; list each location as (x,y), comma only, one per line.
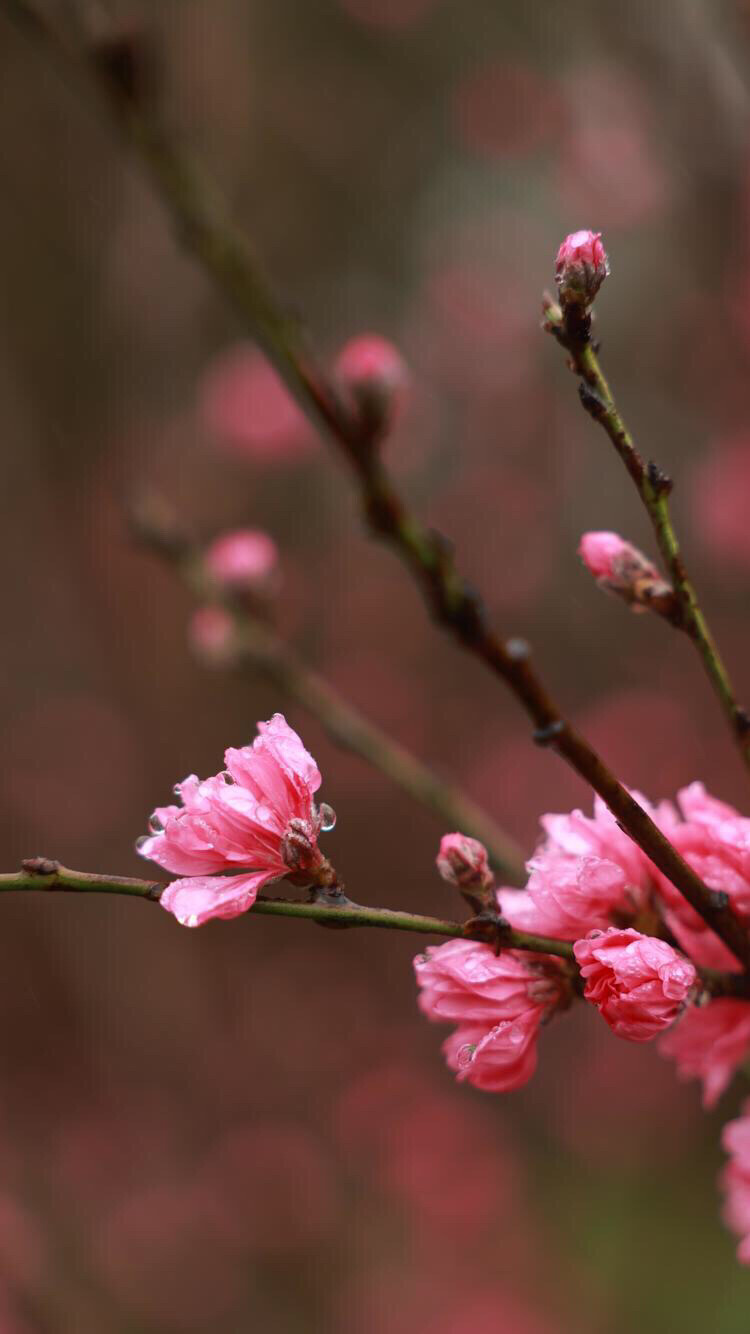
(140,842)
(155,825)
(177,789)
(466,1055)
(192,920)
(227,777)
(327,817)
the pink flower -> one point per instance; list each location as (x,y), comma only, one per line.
(211,635)
(257,819)
(243,561)
(735,1180)
(462,862)
(709,1043)
(498,1003)
(621,568)
(639,984)
(567,896)
(247,407)
(581,267)
(715,840)
(373,372)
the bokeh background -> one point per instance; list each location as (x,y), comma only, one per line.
(250,1126)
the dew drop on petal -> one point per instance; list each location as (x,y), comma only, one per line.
(227,777)
(155,825)
(327,817)
(141,841)
(177,789)
(466,1055)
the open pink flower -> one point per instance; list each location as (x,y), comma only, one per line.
(735,1180)
(709,1043)
(567,896)
(638,984)
(498,1003)
(258,819)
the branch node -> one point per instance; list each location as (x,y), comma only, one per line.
(592,401)
(40,866)
(661,483)
(518,650)
(546,736)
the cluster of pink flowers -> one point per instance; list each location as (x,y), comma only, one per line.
(255,822)
(591,885)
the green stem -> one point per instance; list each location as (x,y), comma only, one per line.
(572,329)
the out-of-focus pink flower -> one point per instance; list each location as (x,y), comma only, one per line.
(506,110)
(637,983)
(567,897)
(462,862)
(394,15)
(245,561)
(498,1002)
(735,1180)
(372,371)
(709,1043)
(211,635)
(581,267)
(621,568)
(720,488)
(245,406)
(257,819)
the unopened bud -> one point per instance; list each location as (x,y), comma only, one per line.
(581,268)
(211,635)
(245,561)
(462,862)
(372,371)
(621,568)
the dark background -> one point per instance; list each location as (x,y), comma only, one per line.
(251,1125)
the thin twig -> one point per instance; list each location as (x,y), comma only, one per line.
(201,224)
(44,873)
(333,909)
(572,328)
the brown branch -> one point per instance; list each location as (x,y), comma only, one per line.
(571,326)
(204,230)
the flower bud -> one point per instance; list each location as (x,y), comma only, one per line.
(621,568)
(462,862)
(245,561)
(581,268)
(211,636)
(373,373)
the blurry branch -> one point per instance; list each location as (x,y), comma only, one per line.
(258,647)
(203,228)
(571,327)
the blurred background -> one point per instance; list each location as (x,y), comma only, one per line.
(250,1125)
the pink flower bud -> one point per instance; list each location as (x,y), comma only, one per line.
(211,636)
(581,268)
(621,568)
(639,984)
(243,561)
(462,862)
(374,374)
